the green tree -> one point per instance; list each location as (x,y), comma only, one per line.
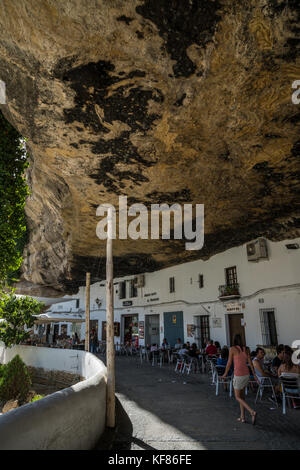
(13,193)
(15,381)
(16,313)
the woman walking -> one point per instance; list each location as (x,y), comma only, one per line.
(240,355)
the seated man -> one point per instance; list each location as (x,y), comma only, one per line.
(277,361)
(178,344)
(258,363)
(211,349)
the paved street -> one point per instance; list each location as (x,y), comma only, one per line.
(159,409)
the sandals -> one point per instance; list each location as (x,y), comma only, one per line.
(241,420)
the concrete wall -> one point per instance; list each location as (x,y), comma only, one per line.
(272,283)
(73,418)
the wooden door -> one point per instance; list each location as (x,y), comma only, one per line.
(235,327)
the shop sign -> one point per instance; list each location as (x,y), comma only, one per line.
(233,308)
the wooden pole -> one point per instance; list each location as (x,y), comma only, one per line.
(87,311)
(110,347)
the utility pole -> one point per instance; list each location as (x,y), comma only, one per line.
(110,347)
(87,311)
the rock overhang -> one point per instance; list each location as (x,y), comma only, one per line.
(176,102)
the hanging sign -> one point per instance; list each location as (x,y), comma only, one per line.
(233,307)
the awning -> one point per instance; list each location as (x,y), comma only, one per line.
(55,317)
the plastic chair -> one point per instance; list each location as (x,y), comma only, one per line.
(218,371)
(265,383)
(290,386)
(188,364)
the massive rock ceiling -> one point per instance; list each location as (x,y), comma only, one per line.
(184,101)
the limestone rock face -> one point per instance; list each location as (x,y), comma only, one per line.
(175,101)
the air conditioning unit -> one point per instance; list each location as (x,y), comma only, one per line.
(257,250)
(139,281)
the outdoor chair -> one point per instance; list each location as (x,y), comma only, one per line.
(265,383)
(188,364)
(290,386)
(165,356)
(210,370)
(252,382)
(218,371)
(179,364)
(157,358)
(143,354)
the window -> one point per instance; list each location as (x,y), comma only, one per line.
(172,284)
(268,327)
(77,303)
(122,290)
(133,289)
(202,330)
(231,276)
(201,281)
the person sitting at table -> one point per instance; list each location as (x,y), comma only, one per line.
(277,361)
(165,350)
(222,361)
(287,366)
(194,351)
(178,344)
(211,349)
(183,350)
(153,351)
(218,346)
(258,363)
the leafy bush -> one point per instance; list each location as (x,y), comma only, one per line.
(15,380)
(17,313)
(36,397)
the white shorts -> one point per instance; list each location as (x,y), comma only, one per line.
(240,381)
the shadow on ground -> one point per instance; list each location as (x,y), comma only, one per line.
(159,409)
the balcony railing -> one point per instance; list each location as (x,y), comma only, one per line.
(229,291)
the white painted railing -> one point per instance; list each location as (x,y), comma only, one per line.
(73,418)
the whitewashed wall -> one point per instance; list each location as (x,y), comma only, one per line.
(276,281)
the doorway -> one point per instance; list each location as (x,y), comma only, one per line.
(55,332)
(130,329)
(202,330)
(173,327)
(236,327)
(152,329)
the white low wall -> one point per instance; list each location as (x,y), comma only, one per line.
(73,418)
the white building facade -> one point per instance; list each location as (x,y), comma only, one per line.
(259,299)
